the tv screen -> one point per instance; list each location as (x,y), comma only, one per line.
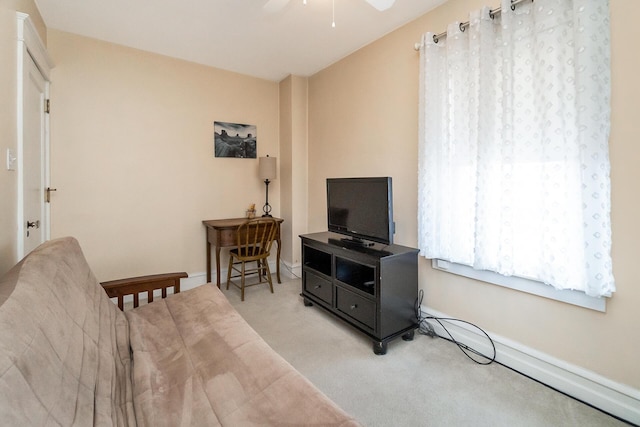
(361,208)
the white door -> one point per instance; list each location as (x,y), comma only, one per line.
(35,224)
(34,67)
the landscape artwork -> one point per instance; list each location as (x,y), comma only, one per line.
(235,140)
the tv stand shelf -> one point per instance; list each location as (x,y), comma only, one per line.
(372,288)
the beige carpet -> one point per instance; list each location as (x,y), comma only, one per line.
(426,382)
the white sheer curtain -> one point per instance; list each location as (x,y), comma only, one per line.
(513,157)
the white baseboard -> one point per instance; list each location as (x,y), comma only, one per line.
(200,278)
(292,271)
(617,399)
(194,280)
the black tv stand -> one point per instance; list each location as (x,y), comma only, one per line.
(372,288)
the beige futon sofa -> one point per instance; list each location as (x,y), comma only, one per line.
(69,356)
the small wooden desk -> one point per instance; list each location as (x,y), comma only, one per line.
(222,233)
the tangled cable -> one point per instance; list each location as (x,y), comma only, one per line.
(426,328)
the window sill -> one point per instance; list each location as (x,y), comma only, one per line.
(524,285)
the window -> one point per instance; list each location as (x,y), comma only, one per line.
(513,157)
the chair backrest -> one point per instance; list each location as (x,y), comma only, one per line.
(255,237)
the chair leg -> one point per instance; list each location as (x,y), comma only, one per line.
(242,283)
(229,271)
(268,273)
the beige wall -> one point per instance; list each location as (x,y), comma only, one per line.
(363,121)
(8,118)
(132,154)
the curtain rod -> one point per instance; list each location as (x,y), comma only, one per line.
(464,25)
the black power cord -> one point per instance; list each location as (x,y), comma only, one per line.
(425,328)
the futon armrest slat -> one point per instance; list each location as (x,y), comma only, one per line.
(135,285)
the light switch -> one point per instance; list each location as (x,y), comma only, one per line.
(11,160)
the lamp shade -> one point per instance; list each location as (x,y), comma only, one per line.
(267,167)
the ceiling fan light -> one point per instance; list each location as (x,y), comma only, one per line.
(381,5)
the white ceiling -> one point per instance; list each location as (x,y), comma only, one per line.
(236,35)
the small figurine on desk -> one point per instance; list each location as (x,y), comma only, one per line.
(251,212)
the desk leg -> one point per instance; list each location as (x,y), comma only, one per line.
(278,261)
(208,261)
(218,266)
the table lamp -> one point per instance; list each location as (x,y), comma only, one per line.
(267,172)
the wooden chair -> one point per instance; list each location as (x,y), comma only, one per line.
(254,238)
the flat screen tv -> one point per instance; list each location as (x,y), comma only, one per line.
(361,208)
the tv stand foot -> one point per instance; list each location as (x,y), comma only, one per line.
(380,347)
(307,303)
(409,335)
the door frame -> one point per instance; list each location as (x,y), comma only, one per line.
(31,47)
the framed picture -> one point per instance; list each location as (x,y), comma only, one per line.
(235,140)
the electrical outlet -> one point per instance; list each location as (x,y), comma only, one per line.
(11,160)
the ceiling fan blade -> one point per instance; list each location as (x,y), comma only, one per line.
(273,6)
(381,5)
